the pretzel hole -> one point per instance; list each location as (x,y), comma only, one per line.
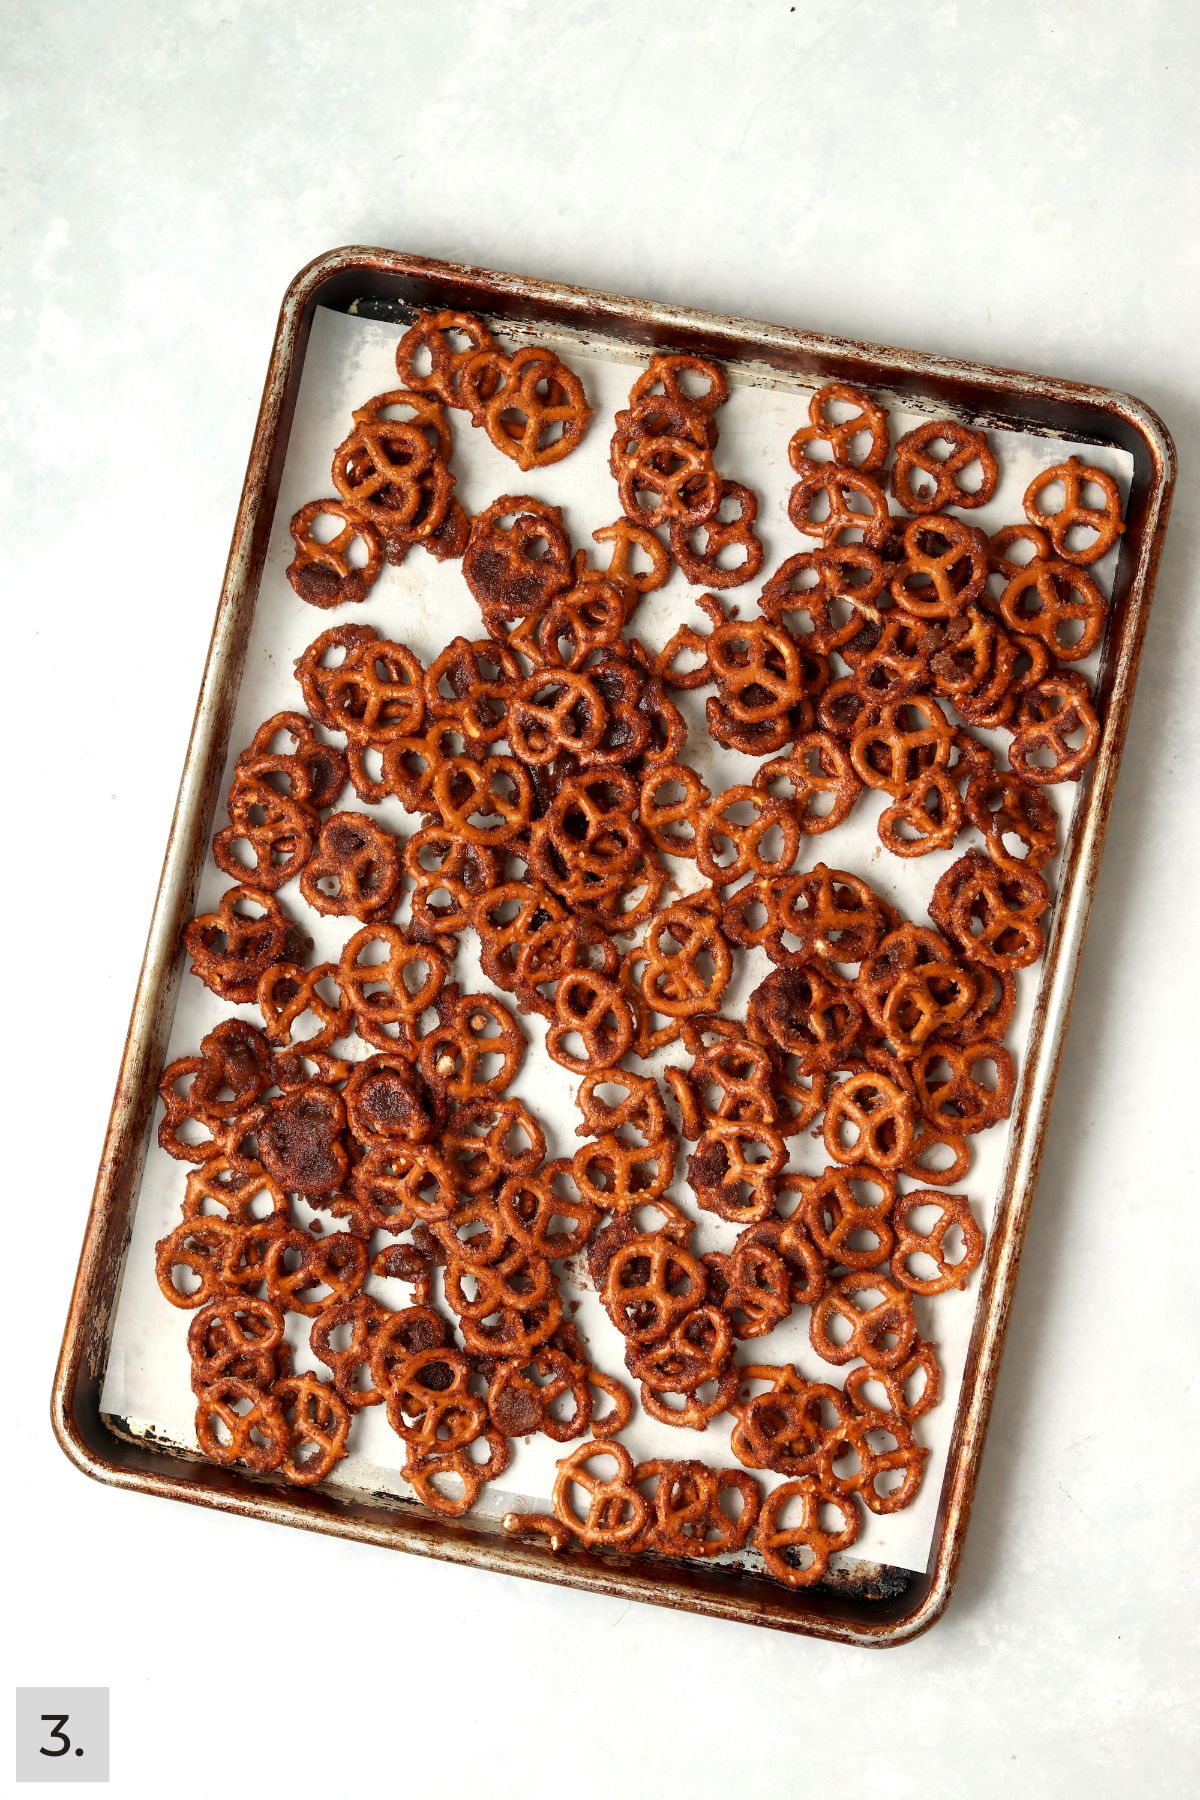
(914,1387)
(882,1441)
(637,559)
(246,1145)
(220,1430)
(673,1402)
(866,1299)
(325,526)
(573,1046)
(731,1501)
(564,1408)
(839,1329)
(193,1132)
(873,1393)
(888,1481)
(184,1279)
(588,1468)
(341,1337)
(535,547)
(817,450)
(305,1450)
(513,421)
(466,1231)
(819,507)
(722,848)
(985,1074)
(847,1133)
(730,556)
(261,1205)
(953,1245)
(1072,735)
(1079,538)
(439,901)
(855,505)
(769,844)
(563,1225)
(517,1141)
(799,1556)
(646,499)
(550,431)
(864,1240)
(448,1484)
(921,1265)
(848,1464)
(520,1285)
(935,1156)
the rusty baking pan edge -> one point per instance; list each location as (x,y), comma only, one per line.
(844,1613)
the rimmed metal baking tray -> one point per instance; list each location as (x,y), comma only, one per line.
(865,1607)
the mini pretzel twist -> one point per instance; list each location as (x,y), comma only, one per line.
(1052,714)
(626,538)
(322,571)
(701,563)
(689,1519)
(958,1100)
(649,1285)
(317,1421)
(727,849)
(880,1114)
(354,869)
(925,815)
(1059,604)
(778,1544)
(257,1436)
(355,1323)
(828,502)
(905,739)
(617,1511)
(882,1333)
(866,420)
(1100,526)
(236,1335)
(476,1049)
(916,457)
(390,995)
(517,560)
(539,412)
(853,1438)
(667,480)
(952,1211)
(944,569)
(816,769)
(432,337)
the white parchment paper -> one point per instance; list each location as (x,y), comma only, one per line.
(424,604)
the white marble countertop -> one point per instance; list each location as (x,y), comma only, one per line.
(1016,184)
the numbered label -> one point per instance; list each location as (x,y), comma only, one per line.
(62,1734)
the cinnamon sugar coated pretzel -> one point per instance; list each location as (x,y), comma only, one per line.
(373,1215)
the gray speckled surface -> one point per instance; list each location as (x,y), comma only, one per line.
(1014,183)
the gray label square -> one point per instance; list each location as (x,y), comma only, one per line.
(62,1734)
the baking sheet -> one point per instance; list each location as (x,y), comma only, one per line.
(425,603)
